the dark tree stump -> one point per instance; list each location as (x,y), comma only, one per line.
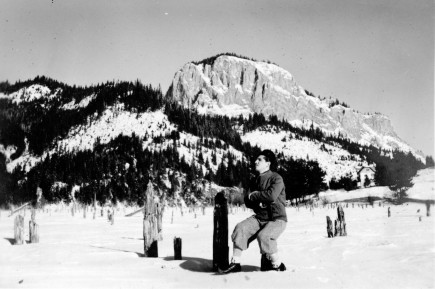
(177,248)
(427,208)
(389,212)
(220,233)
(329,228)
(19,230)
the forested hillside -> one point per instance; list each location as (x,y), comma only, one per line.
(184,161)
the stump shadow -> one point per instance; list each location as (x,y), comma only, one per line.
(11,240)
(202,265)
(119,250)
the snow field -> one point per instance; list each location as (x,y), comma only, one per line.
(74,252)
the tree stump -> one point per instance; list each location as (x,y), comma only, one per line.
(220,233)
(150,223)
(341,221)
(159,212)
(19,230)
(389,212)
(336,227)
(177,248)
(329,227)
(33,228)
(427,208)
(33,232)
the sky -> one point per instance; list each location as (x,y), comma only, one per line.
(374,55)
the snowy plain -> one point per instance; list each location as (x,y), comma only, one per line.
(77,252)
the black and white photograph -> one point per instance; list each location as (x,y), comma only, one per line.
(217,144)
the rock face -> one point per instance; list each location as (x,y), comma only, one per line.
(230,85)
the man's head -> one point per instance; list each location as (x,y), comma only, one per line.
(265,161)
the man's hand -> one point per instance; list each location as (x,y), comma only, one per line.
(261,205)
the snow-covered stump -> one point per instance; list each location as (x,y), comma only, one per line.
(19,230)
(177,248)
(33,228)
(329,227)
(220,233)
(427,209)
(150,224)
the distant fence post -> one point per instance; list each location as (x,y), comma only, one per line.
(220,233)
(427,208)
(150,223)
(389,212)
(19,230)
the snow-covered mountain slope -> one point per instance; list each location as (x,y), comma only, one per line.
(31,93)
(423,185)
(234,86)
(335,161)
(116,121)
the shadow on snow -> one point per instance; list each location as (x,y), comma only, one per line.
(195,264)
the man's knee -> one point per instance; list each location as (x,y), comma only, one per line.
(239,230)
(263,237)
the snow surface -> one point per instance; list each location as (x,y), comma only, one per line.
(424,185)
(78,252)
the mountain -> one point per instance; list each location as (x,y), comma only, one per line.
(202,136)
(230,85)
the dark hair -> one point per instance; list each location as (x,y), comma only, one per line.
(270,157)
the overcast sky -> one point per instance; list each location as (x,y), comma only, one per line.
(374,55)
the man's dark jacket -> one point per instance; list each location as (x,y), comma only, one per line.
(267,197)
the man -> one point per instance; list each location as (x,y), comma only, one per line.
(267,199)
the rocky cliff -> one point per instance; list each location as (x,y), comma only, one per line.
(231,85)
